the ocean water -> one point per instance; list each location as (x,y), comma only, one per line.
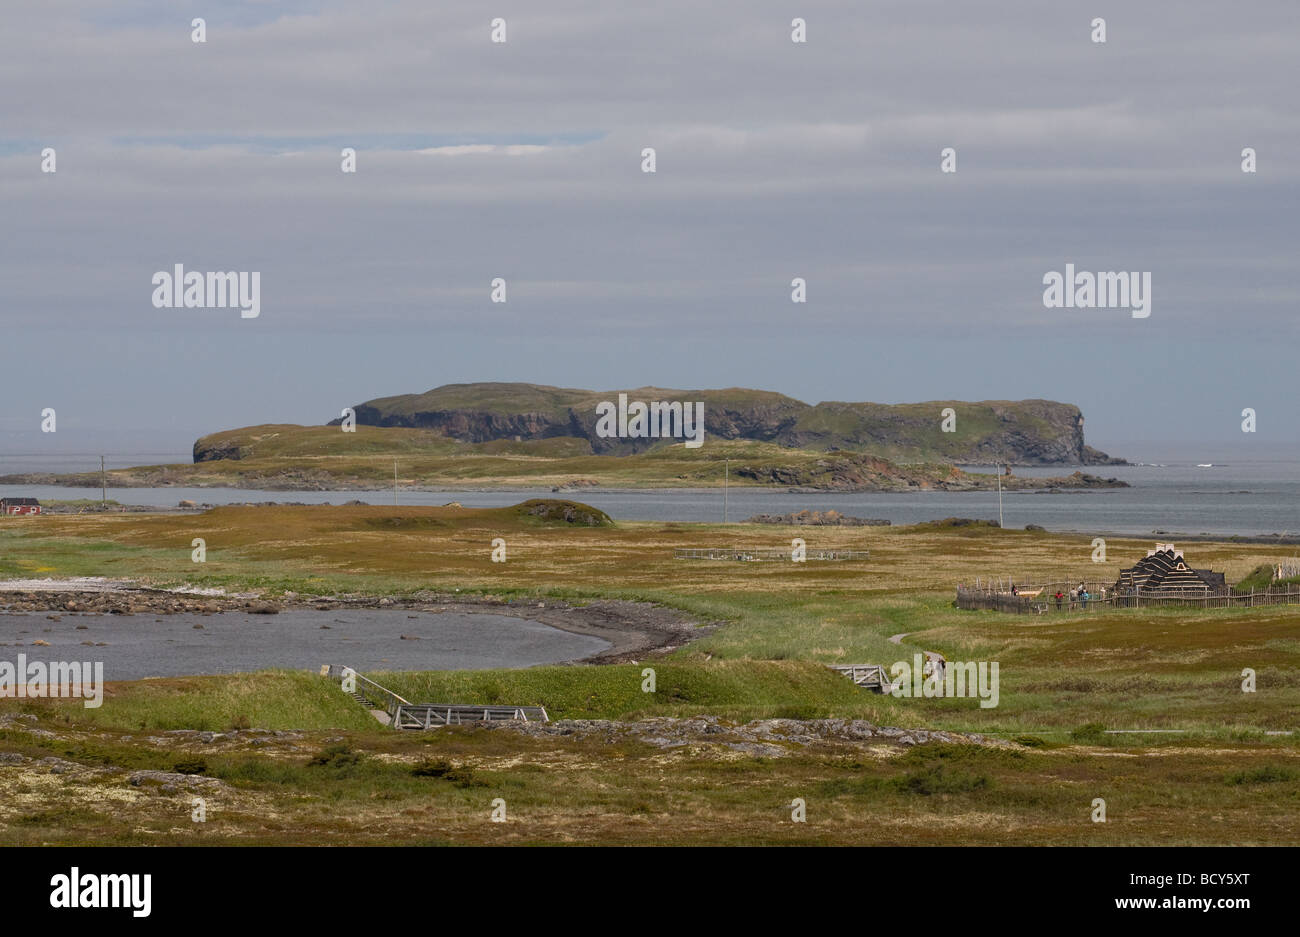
(1239,493)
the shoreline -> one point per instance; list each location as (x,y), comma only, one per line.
(1077,480)
(63,506)
(1255,539)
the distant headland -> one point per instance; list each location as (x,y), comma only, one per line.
(496,435)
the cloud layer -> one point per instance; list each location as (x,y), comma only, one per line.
(775,160)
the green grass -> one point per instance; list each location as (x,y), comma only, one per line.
(735,689)
(266,700)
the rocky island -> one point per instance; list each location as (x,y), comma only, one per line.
(496,435)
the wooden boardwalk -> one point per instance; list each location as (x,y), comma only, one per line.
(433,715)
(403,714)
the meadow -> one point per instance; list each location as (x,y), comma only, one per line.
(1079,692)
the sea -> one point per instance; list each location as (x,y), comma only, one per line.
(1223,491)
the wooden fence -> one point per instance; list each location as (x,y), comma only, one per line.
(753,555)
(1041,600)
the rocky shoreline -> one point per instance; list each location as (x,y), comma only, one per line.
(817,519)
(855,473)
(844,473)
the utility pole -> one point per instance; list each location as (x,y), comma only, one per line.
(103,482)
(726,481)
(394,483)
(999,471)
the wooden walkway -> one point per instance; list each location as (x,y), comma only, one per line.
(403,714)
(433,715)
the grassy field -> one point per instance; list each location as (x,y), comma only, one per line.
(1065,680)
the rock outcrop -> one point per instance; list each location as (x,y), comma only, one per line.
(817,519)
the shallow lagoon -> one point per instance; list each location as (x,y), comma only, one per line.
(151,645)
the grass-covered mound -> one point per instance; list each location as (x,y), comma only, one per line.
(738,689)
(558,511)
(1261,578)
(280,699)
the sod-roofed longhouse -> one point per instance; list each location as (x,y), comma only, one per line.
(1165,570)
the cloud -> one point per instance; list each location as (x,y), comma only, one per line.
(775,160)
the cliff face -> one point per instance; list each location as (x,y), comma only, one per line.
(1025,432)
(485,412)
(476,425)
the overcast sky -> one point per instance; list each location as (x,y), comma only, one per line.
(522,160)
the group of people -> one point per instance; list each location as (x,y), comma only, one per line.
(1081,594)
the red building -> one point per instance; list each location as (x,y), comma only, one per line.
(19,506)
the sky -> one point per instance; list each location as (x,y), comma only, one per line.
(523,160)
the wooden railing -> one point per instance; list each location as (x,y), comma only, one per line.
(868,676)
(378,696)
(403,714)
(433,715)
